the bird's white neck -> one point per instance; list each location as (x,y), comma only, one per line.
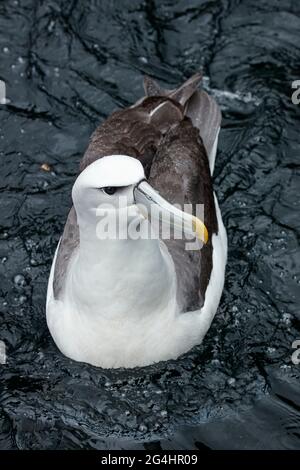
(121,279)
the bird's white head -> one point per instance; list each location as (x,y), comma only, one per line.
(116,183)
(104,182)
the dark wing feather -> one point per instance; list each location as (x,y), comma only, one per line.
(68,244)
(206,116)
(180,172)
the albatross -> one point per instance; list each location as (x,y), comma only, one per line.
(127,301)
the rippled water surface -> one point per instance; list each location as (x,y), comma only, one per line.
(67,66)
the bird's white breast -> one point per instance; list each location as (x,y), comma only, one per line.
(134,337)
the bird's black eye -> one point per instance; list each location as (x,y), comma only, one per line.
(110,190)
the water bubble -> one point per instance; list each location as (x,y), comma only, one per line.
(286,318)
(30,243)
(40,355)
(22,299)
(19,280)
(51,26)
(231,381)
(143,427)
(5,50)
(118,428)
(215,362)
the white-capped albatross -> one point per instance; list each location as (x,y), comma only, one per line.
(130,301)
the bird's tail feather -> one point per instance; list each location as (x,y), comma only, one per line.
(181,94)
(205,114)
(198,105)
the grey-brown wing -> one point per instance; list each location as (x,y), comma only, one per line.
(180,172)
(68,244)
(205,114)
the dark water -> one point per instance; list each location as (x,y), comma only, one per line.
(67,66)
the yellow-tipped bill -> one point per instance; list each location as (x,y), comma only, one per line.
(146,197)
(200,229)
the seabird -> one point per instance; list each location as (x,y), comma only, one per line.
(133,301)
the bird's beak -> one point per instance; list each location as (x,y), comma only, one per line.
(153,206)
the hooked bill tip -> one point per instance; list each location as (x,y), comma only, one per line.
(200,229)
